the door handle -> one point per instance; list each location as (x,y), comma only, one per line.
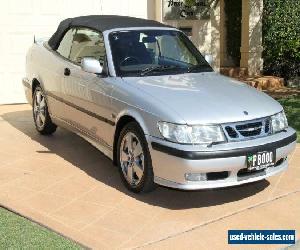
(67,72)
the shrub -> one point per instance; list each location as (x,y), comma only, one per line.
(281,38)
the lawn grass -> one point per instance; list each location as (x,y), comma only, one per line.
(291,107)
(17,232)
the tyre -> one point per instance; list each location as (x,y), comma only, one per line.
(42,120)
(134,160)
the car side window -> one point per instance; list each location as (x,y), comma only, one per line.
(87,43)
(65,44)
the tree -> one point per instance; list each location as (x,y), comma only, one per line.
(281,38)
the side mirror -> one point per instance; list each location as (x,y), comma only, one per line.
(209,59)
(91,65)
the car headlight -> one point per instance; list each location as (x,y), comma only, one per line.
(197,134)
(279,122)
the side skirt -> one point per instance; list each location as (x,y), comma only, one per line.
(95,141)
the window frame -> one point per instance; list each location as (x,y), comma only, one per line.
(106,65)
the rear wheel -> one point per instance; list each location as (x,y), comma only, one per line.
(134,160)
(42,120)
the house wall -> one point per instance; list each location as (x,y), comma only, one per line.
(251,44)
(20,20)
(205,32)
(209,35)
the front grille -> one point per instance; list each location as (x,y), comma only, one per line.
(267,126)
(248,129)
(231,132)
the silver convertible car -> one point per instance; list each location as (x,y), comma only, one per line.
(142,93)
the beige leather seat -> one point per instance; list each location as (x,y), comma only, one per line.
(83,46)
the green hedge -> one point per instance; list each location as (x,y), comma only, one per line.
(281,38)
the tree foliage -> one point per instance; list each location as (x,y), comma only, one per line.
(281,37)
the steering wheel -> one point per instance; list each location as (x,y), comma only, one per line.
(131,60)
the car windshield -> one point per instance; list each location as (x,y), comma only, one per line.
(155,52)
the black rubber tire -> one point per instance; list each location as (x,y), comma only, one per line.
(49,127)
(147,183)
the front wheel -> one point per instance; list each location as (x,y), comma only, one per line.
(134,160)
(42,119)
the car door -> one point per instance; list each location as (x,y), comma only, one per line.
(87,95)
(53,72)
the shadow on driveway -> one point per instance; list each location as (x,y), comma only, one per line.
(83,155)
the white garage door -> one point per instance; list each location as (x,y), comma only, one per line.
(20,20)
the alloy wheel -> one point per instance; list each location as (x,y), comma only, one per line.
(132,159)
(39,109)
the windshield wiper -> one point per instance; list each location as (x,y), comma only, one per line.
(199,68)
(158,68)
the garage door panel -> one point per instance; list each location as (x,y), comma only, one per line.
(20,7)
(91,7)
(50,9)
(21,20)
(19,43)
(11,84)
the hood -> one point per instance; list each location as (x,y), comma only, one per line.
(207,97)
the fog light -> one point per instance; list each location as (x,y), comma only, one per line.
(195,176)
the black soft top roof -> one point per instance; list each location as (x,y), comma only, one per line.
(99,23)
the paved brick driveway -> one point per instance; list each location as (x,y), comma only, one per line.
(63,182)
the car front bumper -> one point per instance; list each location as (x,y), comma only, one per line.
(225,163)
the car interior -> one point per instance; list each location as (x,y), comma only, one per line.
(87,46)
